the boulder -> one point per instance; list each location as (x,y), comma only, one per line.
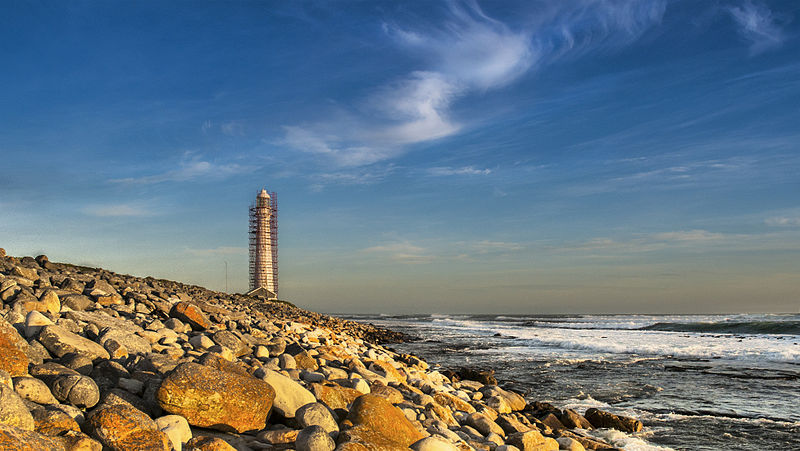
(453,402)
(177,429)
(34,322)
(60,342)
(54,422)
(532,440)
(314,438)
(572,419)
(280,436)
(76,302)
(14,438)
(13,411)
(76,389)
(433,443)
(216,399)
(484,424)
(229,340)
(317,414)
(602,419)
(205,443)
(13,350)
(377,424)
(134,344)
(335,396)
(289,395)
(123,427)
(34,390)
(191,314)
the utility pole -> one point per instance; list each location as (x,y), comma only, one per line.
(226,277)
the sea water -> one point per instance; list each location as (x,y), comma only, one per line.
(700,382)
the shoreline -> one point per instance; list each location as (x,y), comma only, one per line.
(91,359)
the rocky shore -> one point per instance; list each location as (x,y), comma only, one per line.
(91,360)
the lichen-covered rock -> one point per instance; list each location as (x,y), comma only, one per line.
(13,411)
(14,438)
(601,419)
(60,342)
(205,443)
(453,402)
(216,399)
(377,424)
(191,314)
(532,441)
(122,427)
(13,350)
(54,422)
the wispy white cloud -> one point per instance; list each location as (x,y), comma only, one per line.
(783,221)
(757,25)
(217,251)
(464,170)
(467,53)
(401,252)
(117,210)
(189,168)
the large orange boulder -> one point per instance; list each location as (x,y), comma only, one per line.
(191,314)
(335,396)
(122,427)
(13,358)
(210,398)
(378,425)
(21,440)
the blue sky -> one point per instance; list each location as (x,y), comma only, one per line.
(531,156)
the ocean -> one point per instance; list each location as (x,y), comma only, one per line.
(699,382)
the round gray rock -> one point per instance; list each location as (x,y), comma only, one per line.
(433,443)
(317,414)
(314,438)
(78,390)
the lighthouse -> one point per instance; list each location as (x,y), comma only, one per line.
(264,245)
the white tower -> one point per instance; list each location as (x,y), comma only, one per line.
(264,244)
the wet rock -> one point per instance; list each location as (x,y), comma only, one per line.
(208,397)
(572,419)
(602,419)
(569,444)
